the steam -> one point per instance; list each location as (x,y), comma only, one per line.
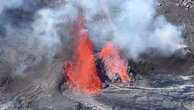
(132,25)
(9,4)
(44,30)
(27,42)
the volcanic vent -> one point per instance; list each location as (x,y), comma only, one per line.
(81,74)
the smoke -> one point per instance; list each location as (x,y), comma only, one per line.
(41,31)
(28,35)
(132,25)
(31,33)
(10,4)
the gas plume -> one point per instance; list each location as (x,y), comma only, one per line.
(132,25)
(41,31)
(9,4)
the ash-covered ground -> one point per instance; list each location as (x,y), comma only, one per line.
(161,83)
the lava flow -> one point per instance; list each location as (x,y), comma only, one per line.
(114,63)
(81,74)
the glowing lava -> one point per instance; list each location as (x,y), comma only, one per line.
(114,63)
(81,74)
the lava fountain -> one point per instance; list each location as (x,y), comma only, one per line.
(81,73)
(114,63)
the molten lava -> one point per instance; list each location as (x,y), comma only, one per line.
(113,62)
(81,74)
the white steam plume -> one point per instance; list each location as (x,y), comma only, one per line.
(9,4)
(40,39)
(132,25)
(46,27)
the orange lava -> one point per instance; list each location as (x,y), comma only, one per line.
(81,74)
(114,63)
